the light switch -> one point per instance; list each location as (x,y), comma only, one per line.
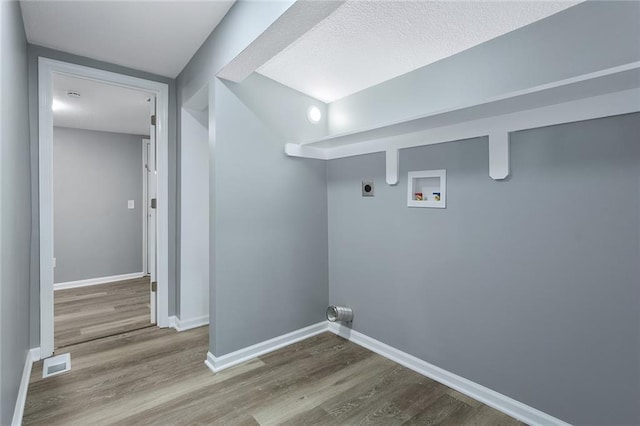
(130,204)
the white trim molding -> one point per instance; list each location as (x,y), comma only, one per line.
(220,363)
(46,69)
(609,92)
(189,323)
(503,403)
(96,281)
(33,355)
(172,322)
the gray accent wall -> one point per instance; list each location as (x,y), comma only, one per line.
(243,23)
(269,217)
(94,175)
(528,286)
(33,53)
(15,207)
(268,223)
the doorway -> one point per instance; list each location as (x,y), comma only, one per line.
(101,284)
(75,263)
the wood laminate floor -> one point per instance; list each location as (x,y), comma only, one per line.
(157,376)
(87,313)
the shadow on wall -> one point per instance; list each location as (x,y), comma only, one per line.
(285,115)
(193,294)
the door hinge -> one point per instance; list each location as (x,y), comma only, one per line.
(154,286)
(153,120)
(154,203)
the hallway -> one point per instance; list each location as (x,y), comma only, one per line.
(87,313)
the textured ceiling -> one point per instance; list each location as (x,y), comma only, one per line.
(155,36)
(296,21)
(364,43)
(100,106)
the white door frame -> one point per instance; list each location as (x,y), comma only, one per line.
(46,69)
(145,204)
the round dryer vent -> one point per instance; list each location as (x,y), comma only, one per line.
(339,313)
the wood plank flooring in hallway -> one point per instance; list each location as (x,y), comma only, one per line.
(157,376)
(87,313)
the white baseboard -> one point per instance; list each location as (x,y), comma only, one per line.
(172,322)
(33,355)
(500,402)
(95,281)
(503,403)
(217,364)
(188,324)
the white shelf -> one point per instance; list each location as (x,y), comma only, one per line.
(608,92)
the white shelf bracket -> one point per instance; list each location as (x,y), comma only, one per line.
(499,155)
(392,166)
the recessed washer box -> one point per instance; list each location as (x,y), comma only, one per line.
(427,188)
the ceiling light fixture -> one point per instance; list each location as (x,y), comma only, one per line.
(56,105)
(314,114)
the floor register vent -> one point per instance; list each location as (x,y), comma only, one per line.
(56,365)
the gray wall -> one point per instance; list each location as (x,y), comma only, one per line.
(33,53)
(269,218)
(15,208)
(588,37)
(94,174)
(244,22)
(268,236)
(527,286)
